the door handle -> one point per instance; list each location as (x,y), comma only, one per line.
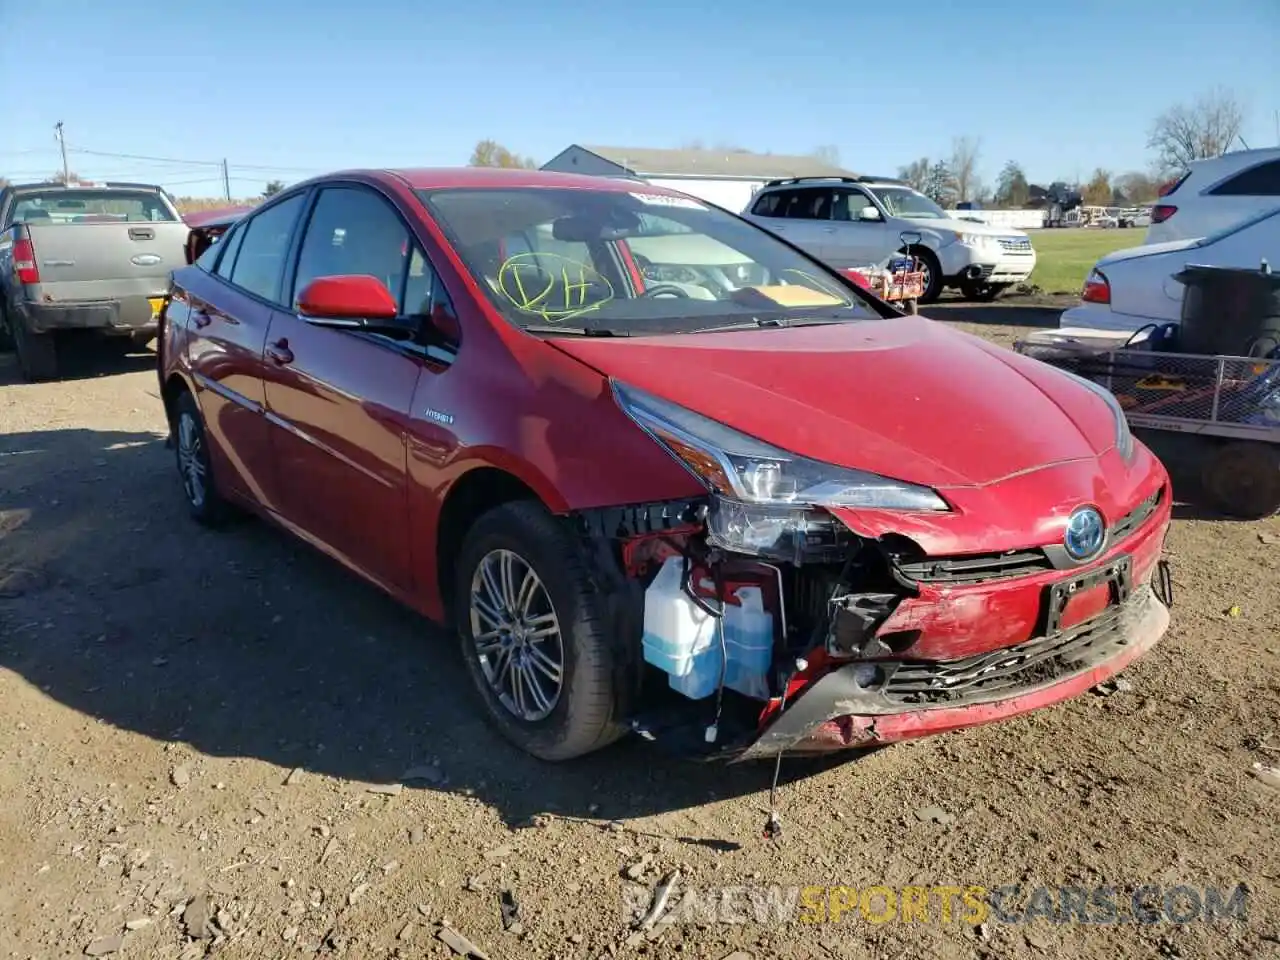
(280,352)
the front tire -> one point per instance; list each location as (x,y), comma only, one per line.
(534,636)
(932,273)
(199,489)
(982,291)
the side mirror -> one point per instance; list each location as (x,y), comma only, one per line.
(868,213)
(352,302)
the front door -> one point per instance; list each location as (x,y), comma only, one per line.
(857,242)
(339,401)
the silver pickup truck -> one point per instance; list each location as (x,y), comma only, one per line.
(85,257)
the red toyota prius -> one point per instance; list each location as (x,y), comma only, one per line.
(662,472)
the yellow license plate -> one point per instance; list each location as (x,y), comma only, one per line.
(157,304)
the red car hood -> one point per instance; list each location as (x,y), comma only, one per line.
(907,398)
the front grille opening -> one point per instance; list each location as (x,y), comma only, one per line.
(975,568)
(932,682)
(1136,517)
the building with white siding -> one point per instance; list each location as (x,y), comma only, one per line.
(725,178)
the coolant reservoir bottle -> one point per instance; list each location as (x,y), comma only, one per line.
(748,632)
(680,637)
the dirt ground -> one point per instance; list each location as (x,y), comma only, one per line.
(202,737)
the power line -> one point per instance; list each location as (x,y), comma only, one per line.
(194,163)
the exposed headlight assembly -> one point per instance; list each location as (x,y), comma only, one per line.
(1124,438)
(765,500)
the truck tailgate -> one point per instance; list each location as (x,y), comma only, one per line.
(106,261)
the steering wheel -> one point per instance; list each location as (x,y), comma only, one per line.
(666,290)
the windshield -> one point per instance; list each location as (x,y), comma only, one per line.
(632,262)
(91,206)
(905,202)
(1237,226)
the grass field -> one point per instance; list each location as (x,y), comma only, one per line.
(1063,257)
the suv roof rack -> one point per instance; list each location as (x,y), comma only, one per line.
(837,179)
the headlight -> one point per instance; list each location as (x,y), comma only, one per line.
(1124,438)
(765,500)
(976,240)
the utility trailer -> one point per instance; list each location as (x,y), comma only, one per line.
(1215,417)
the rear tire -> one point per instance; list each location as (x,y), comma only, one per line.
(524,588)
(195,470)
(37,353)
(1242,479)
(6,338)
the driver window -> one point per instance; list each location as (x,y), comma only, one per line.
(849,204)
(353,231)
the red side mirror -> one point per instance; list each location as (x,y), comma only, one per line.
(347,298)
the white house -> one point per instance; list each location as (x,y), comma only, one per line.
(725,178)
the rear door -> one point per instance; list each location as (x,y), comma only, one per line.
(339,401)
(228,313)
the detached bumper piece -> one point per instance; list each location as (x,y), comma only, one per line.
(866,703)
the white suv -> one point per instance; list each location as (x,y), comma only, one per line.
(856,221)
(1213,194)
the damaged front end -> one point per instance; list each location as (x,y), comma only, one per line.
(783,613)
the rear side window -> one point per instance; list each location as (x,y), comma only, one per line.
(228,246)
(770,203)
(259,265)
(811,204)
(1260,181)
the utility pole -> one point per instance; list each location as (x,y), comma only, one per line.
(226,181)
(62,145)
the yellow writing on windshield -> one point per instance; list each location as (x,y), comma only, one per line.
(552,286)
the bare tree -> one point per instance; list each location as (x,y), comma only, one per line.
(273,187)
(916,173)
(1197,131)
(490,153)
(59,177)
(1137,187)
(964,167)
(828,153)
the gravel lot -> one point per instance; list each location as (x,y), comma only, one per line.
(200,733)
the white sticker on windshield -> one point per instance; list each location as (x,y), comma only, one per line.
(662,200)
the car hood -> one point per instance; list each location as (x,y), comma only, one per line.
(956,225)
(1147,250)
(905,397)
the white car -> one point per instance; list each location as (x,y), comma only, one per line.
(1213,194)
(852,221)
(1129,289)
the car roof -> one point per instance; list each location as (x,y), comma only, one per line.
(434,178)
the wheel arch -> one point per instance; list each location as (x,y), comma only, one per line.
(172,388)
(471,495)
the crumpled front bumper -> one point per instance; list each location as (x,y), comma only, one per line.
(837,713)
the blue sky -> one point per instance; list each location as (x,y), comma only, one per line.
(284,88)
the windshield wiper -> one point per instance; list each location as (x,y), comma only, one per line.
(559,329)
(759,323)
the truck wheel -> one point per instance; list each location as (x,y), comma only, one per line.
(932,273)
(534,637)
(204,502)
(6,338)
(1242,479)
(37,353)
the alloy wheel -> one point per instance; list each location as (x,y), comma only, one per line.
(191,464)
(517,635)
